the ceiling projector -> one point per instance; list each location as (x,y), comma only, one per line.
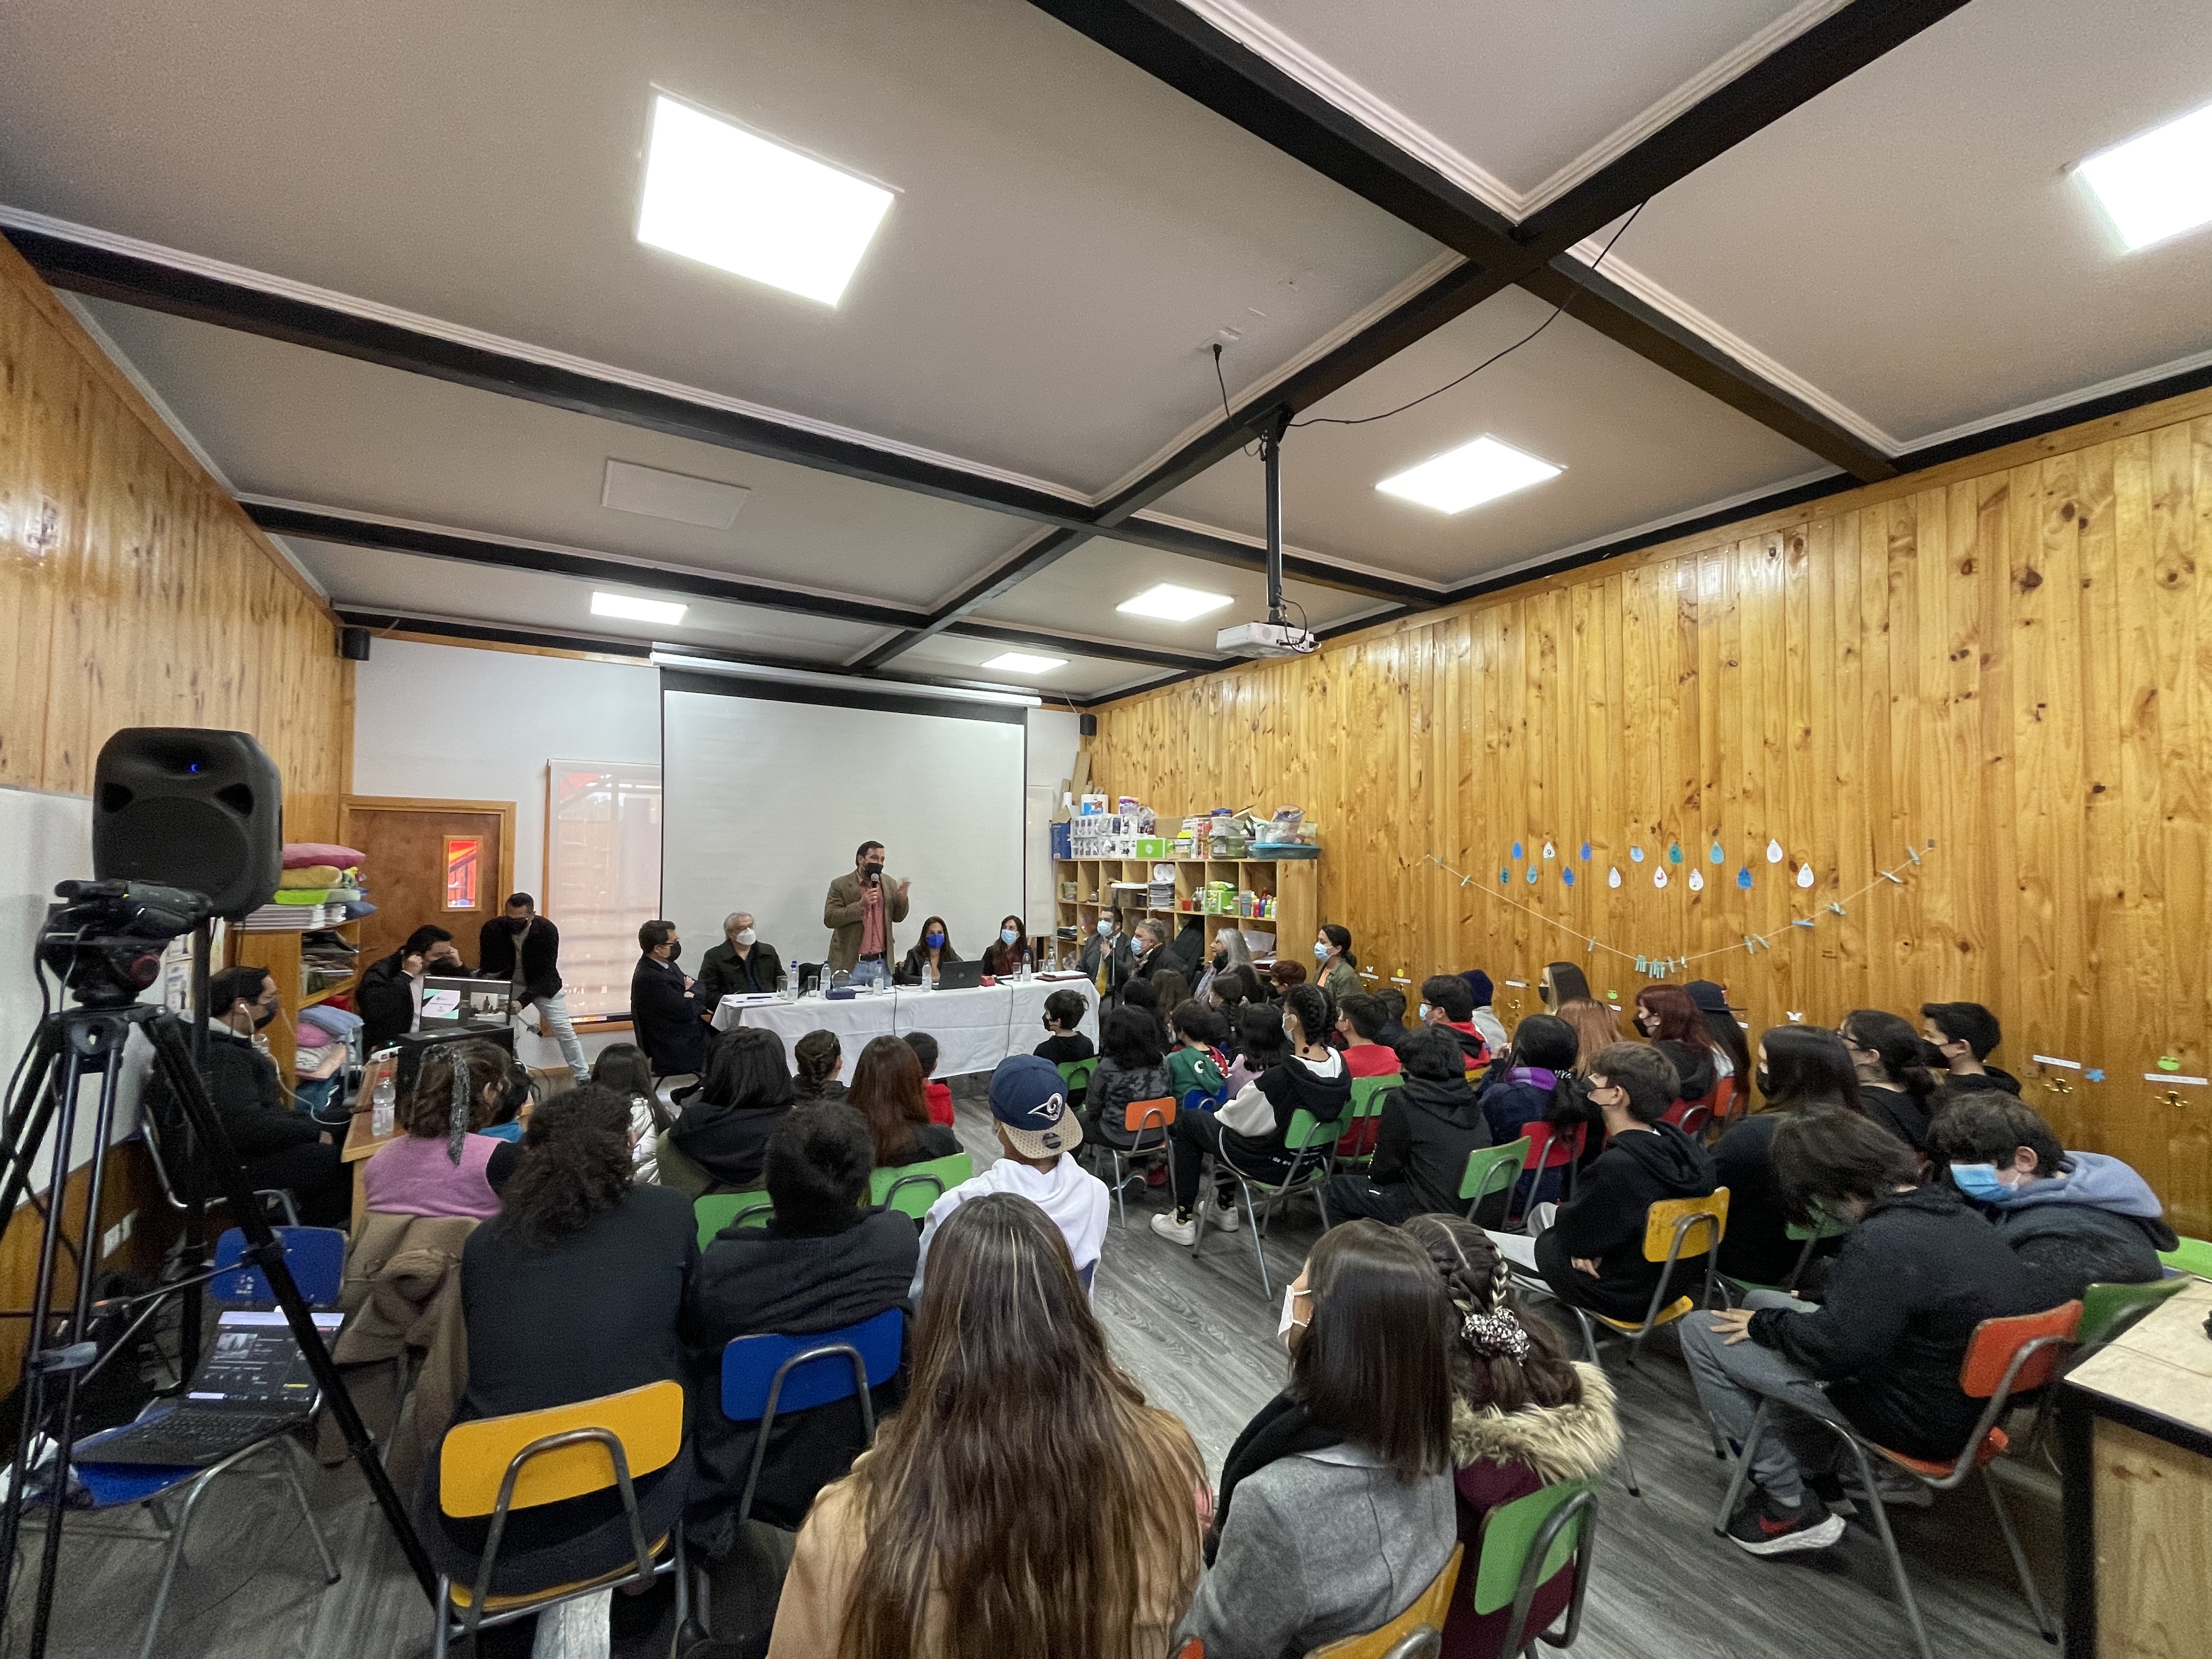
(1265,639)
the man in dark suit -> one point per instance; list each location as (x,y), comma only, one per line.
(664,1012)
(739,965)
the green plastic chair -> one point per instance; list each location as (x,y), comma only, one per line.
(1076,1073)
(1809,1235)
(911,1188)
(2191,1255)
(1528,1543)
(1311,1143)
(1485,1164)
(1367,1094)
(2108,1310)
(716,1210)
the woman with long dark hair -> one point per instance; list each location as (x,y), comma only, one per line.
(1561,981)
(1672,1024)
(1524,1416)
(930,953)
(1341,1487)
(1712,999)
(725,1129)
(888,1090)
(1798,1066)
(1026,1501)
(1534,1085)
(572,1291)
(1896,1088)
(1006,954)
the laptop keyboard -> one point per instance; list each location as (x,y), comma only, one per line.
(185,1438)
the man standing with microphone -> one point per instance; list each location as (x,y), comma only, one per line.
(860,912)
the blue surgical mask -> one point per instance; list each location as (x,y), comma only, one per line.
(1424,1011)
(1979,1181)
(933,941)
(1105,928)
(1008,936)
(1320,952)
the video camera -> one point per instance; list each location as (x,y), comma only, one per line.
(105,939)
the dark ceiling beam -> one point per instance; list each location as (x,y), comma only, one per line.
(1173,42)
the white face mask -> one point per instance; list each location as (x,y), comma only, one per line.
(1105,929)
(1290,1321)
(1424,1011)
(745,937)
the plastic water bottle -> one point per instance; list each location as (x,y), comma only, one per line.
(383,1106)
(928,976)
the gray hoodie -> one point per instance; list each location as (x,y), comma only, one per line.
(2098,1223)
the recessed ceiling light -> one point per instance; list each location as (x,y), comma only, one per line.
(1469,476)
(621,605)
(2158,185)
(730,198)
(1021,662)
(1173,604)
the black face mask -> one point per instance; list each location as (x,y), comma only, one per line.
(1765,1082)
(875,870)
(261,1017)
(1220,960)
(674,951)
(517,924)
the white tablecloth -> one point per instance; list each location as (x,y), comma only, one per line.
(975,1029)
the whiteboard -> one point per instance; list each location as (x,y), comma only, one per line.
(766,800)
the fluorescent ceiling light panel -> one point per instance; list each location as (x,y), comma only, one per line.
(730,198)
(2158,185)
(1020,662)
(1172,603)
(635,609)
(706,502)
(1469,476)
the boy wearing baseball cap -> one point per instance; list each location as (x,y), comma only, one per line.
(1037,1132)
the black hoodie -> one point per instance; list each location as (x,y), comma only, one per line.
(728,1142)
(1604,1221)
(1426,1131)
(1293,1085)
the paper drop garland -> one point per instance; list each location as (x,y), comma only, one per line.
(1585,852)
(1774,852)
(1613,877)
(1568,877)
(1804,875)
(1697,881)
(1674,852)
(1503,874)
(1636,855)
(1658,877)
(1719,854)
(1548,851)
(1743,879)
(1532,875)
(1516,850)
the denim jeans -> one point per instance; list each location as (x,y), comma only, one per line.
(865,973)
(553,1018)
(1731,1378)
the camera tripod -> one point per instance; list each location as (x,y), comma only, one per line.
(70,1046)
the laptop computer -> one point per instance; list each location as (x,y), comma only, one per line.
(960,976)
(254,1382)
(450,1000)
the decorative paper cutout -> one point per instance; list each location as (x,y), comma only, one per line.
(1642,966)
(1636,855)
(1674,852)
(1548,852)
(1532,875)
(2094,1074)
(1743,879)
(1613,877)
(1516,850)
(1503,874)
(1567,875)
(1585,852)
(1804,875)
(1719,854)
(1658,877)
(1774,852)
(1697,881)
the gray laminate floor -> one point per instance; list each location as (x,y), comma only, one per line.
(1200,1337)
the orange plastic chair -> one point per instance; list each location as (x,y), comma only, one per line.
(2006,1357)
(497,1465)
(1141,1118)
(1426,1615)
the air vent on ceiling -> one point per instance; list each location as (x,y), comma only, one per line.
(634,488)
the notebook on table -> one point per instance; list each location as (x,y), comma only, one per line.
(252,1382)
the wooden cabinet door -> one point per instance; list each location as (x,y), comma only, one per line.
(450,862)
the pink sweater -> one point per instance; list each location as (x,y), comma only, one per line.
(412,1175)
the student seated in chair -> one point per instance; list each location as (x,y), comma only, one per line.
(937,1097)
(1800,1068)
(817,1059)
(888,1092)
(1531,1087)
(2079,1218)
(1524,1416)
(826,1261)
(1026,1493)
(725,1129)
(1961,1036)
(1129,1069)
(1064,1043)
(1252,1131)
(1918,1271)
(1196,1061)
(1428,1125)
(1446,1001)
(1592,1254)
(1038,1133)
(574,1290)
(1336,1510)
(437,1166)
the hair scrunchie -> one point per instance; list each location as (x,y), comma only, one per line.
(1495,1335)
(457,1120)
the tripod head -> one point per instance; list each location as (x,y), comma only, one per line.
(105,938)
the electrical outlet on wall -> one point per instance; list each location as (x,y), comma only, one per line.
(117,1235)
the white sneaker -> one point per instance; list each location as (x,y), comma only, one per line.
(1224,1217)
(1176,1232)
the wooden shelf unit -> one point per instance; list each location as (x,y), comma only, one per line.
(1294,884)
(280,953)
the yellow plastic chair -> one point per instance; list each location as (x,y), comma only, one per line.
(501,1464)
(1418,1629)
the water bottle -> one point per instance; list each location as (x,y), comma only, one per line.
(383,1106)
(928,976)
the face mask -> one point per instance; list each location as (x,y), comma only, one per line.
(745,937)
(1288,1031)
(933,941)
(1290,1321)
(261,1017)
(875,867)
(1105,929)
(1008,936)
(1220,960)
(1424,1011)
(1320,952)
(1979,1181)
(1765,1082)
(674,951)
(517,924)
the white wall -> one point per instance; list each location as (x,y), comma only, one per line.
(455,723)
(1054,735)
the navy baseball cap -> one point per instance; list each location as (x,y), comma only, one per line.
(1028,1098)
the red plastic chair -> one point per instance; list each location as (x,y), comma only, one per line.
(1552,1146)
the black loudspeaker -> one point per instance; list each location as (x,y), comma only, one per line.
(191,808)
(1087,724)
(353,644)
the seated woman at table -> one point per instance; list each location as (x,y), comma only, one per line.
(887,1091)
(437,1167)
(931,952)
(1008,952)
(819,1058)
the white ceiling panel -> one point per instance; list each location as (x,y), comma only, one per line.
(371,579)
(1636,444)
(1077,594)
(305,425)
(1067,230)
(1913,242)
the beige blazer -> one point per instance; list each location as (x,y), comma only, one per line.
(841,914)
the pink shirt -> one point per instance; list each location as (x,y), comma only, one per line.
(412,1175)
(871,920)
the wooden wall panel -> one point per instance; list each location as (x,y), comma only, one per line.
(2011,656)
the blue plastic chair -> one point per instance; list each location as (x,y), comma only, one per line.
(316,1256)
(764,1375)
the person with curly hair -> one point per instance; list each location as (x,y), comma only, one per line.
(572,1291)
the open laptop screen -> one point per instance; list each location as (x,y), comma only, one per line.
(257,1361)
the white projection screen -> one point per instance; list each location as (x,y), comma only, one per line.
(766,799)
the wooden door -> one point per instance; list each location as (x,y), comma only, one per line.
(444,861)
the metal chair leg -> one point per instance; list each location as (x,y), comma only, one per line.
(2018,1559)
(1889,1549)
(173,1554)
(1741,1475)
(439,1619)
(1589,1346)
(1252,1219)
(1121,1204)
(294,1453)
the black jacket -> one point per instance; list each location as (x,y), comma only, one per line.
(1694,1065)
(1106,1102)
(1902,1299)
(1897,1110)
(1065,1048)
(1000,958)
(1293,1087)
(727,1141)
(908,971)
(242,1083)
(1756,1247)
(754,1280)
(1604,1220)
(541,956)
(1423,1138)
(1190,945)
(931,1141)
(1117,972)
(666,1017)
(723,975)
(385,999)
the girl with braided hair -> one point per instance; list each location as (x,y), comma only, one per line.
(442,1165)
(1524,1416)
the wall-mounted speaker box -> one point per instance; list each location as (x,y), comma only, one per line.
(188,807)
(353,644)
(1087,724)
